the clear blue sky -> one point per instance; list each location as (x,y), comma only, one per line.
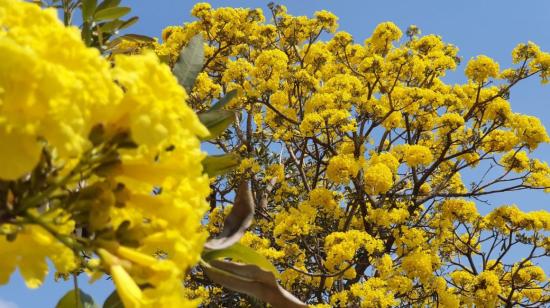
(477,27)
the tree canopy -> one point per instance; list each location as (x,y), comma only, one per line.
(336,174)
(355,151)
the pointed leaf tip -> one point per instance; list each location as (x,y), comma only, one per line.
(190,62)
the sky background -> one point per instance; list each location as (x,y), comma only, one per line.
(492,28)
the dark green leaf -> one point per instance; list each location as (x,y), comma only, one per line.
(224,100)
(217,121)
(111,26)
(251,280)
(129,22)
(111,13)
(88,9)
(107,4)
(243,254)
(69,300)
(238,220)
(113,301)
(164,59)
(215,165)
(190,62)
(97,134)
(137,38)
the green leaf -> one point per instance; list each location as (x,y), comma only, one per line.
(224,100)
(111,13)
(129,22)
(240,253)
(215,165)
(113,301)
(88,9)
(69,300)
(137,38)
(107,4)
(190,63)
(111,26)
(217,121)
(251,280)
(164,59)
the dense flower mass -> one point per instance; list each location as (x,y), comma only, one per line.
(355,153)
(56,70)
(372,127)
(120,152)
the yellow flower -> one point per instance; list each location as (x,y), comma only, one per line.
(383,36)
(413,155)
(327,20)
(342,168)
(341,247)
(46,97)
(311,124)
(500,141)
(487,288)
(480,69)
(516,161)
(394,120)
(419,264)
(249,164)
(530,130)
(51,95)
(378,179)
(451,121)
(127,289)
(463,210)
(151,106)
(374,293)
(29,251)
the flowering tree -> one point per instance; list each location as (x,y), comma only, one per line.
(351,153)
(355,154)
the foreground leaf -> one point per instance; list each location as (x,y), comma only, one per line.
(251,280)
(241,253)
(111,13)
(137,38)
(88,9)
(215,165)
(69,300)
(190,63)
(113,301)
(217,121)
(224,100)
(107,4)
(128,22)
(238,220)
(111,26)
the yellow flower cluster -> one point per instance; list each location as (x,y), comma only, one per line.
(482,68)
(383,36)
(261,245)
(58,96)
(341,248)
(373,293)
(29,251)
(516,161)
(507,218)
(56,70)
(378,179)
(530,130)
(342,168)
(413,155)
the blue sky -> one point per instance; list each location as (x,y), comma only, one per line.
(477,27)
